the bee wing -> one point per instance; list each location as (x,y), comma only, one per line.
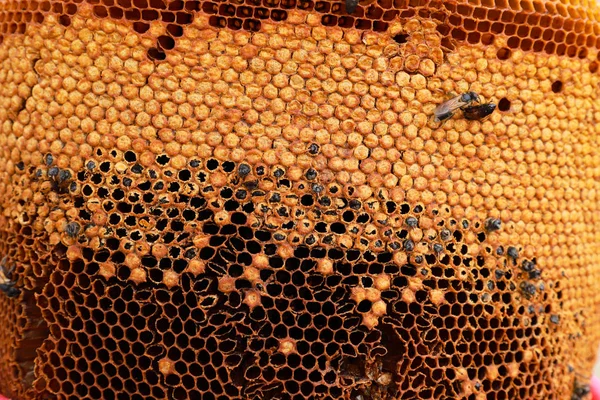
(450,105)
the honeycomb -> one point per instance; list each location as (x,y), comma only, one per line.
(251,199)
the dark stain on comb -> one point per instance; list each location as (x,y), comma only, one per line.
(351,6)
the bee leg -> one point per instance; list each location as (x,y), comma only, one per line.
(446,118)
(439,122)
(434,119)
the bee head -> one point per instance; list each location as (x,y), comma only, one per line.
(469,97)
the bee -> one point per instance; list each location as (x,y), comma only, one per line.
(478,112)
(6,282)
(528,266)
(492,224)
(61,179)
(528,289)
(446,110)
(351,6)
(513,253)
(412,222)
(580,391)
(72,229)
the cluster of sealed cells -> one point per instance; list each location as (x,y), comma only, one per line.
(256,321)
(554,27)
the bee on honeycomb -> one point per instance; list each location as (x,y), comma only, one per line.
(7,284)
(249,200)
(448,108)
